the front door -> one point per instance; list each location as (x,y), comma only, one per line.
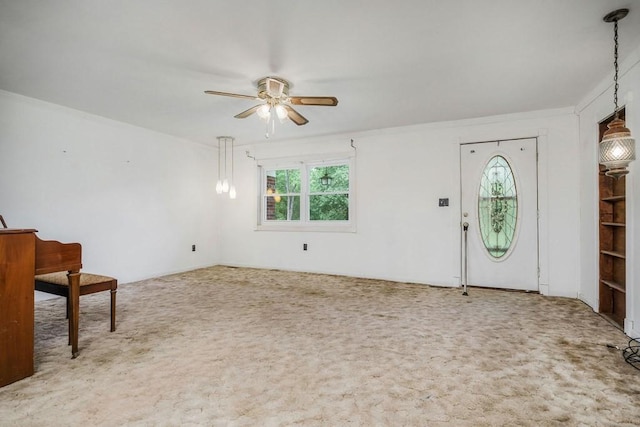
(500,205)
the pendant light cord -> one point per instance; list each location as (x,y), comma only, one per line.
(219,174)
(615,66)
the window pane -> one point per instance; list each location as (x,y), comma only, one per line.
(283,181)
(329,207)
(283,208)
(323,179)
(497,206)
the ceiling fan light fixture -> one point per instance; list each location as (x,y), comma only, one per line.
(274,92)
(281,112)
(264,112)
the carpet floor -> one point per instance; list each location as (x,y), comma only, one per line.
(226,346)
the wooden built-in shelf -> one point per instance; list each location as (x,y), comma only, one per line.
(612,253)
(612,210)
(613,285)
(613,198)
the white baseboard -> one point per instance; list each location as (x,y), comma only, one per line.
(629,329)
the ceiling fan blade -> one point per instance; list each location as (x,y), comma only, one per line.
(247,113)
(295,117)
(234,95)
(329,101)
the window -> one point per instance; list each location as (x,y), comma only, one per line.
(329,193)
(309,196)
(282,194)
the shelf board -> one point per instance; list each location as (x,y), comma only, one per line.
(612,253)
(613,198)
(614,224)
(613,285)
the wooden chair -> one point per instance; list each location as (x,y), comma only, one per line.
(58,284)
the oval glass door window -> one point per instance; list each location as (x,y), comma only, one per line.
(497,207)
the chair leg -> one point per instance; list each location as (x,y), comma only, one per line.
(113,309)
(68,322)
(74,313)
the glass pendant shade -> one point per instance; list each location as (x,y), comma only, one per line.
(268,114)
(264,112)
(281,112)
(219,187)
(225,186)
(617,149)
(232,192)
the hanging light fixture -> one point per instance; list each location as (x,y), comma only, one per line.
(617,148)
(232,188)
(325,179)
(225,181)
(219,182)
(225,185)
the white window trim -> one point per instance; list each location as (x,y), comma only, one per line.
(304,224)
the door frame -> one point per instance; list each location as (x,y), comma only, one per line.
(539,144)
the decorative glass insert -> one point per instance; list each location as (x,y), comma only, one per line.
(497,206)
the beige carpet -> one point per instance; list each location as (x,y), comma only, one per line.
(246,347)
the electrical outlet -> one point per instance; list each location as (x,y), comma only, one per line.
(304,246)
(193,248)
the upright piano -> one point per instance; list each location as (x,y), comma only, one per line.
(22,256)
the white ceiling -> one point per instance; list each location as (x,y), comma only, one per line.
(390,63)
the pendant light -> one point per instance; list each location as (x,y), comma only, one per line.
(617,148)
(219,182)
(225,185)
(232,187)
(325,179)
(225,181)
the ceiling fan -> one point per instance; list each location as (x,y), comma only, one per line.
(274,91)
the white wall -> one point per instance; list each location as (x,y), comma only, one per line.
(136,200)
(594,108)
(402,234)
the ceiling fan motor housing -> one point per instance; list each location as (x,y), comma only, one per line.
(273,87)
